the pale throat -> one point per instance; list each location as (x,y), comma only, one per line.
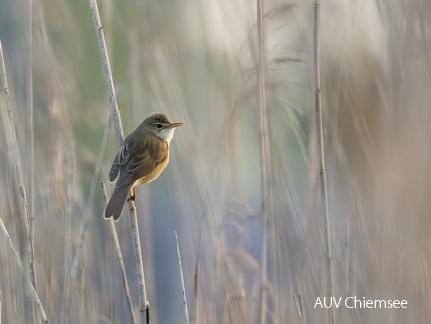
(167,134)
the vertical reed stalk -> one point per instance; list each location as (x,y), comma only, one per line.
(299,307)
(186,312)
(322,167)
(197,291)
(20,197)
(144,305)
(264,156)
(30,138)
(120,259)
(107,72)
(28,282)
(197,280)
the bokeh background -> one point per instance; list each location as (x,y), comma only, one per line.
(197,62)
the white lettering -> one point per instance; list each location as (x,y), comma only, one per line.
(318,302)
(337,304)
(324,302)
(355,302)
(346,304)
(384,303)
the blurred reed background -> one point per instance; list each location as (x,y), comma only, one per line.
(197,61)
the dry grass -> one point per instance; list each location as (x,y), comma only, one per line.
(197,61)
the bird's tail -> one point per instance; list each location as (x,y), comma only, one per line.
(117,201)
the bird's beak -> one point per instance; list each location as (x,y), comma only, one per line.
(173,125)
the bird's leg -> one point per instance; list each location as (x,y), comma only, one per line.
(132,194)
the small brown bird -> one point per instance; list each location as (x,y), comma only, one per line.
(141,159)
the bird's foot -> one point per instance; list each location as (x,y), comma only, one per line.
(132,195)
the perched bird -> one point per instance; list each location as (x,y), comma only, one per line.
(141,159)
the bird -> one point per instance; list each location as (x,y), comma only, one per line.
(142,157)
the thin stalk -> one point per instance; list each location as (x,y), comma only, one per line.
(30,147)
(144,305)
(107,72)
(15,162)
(197,280)
(120,260)
(299,308)
(186,312)
(28,282)
(347,248)
(0,306)
(197,291)
(71,171)
(322,167)
(264,156)
(136,97)
(30,138)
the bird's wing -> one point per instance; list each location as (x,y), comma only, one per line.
(142,162)
(120,159)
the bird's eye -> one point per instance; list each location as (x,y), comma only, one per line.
(159,125)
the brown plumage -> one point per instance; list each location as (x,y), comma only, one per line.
(141,159)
